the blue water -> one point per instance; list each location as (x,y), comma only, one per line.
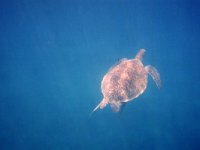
(54,53)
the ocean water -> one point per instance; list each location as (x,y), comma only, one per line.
(54,54)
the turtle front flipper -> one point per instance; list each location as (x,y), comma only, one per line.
(154,74)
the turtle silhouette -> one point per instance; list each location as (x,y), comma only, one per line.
(126,81)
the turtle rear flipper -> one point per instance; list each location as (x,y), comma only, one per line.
(116,106)
(154,74)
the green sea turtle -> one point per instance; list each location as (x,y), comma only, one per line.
(126,81)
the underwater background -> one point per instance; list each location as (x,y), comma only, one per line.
(54,54)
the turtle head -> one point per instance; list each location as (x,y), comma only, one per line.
(140,54)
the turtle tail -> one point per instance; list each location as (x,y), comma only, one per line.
(101,105)
(96,108)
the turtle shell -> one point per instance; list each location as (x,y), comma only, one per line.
(125,81)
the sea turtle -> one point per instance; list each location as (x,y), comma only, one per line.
(126,81)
